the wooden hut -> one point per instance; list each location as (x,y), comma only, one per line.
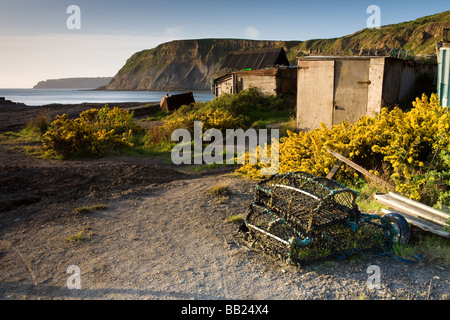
(266,69)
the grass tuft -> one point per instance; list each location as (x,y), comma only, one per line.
(237,218)
(83,210)
(221,190)
(83,235)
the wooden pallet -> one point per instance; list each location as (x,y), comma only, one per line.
(416,213)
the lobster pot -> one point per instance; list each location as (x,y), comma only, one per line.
(281,238)
(309,202)
(367,234)
(272,232)
(304,219)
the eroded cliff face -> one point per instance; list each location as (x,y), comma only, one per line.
(180,65)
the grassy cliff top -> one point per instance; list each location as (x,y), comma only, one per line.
(420,36)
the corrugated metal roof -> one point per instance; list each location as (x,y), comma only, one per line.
(255,59)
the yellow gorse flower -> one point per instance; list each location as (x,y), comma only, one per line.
(94,131)
(404,140)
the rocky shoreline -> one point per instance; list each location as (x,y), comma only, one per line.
(15,116)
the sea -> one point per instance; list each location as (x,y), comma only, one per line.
(39,97)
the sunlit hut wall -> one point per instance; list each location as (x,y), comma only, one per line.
(336,89)
(269,81)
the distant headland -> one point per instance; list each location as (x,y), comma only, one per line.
(73,83)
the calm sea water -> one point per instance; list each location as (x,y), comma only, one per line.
(37,97)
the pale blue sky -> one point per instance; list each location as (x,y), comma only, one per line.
(35,43)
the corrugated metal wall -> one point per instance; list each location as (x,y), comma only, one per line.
(444,76)
(408,80)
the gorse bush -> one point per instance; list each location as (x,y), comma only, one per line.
(211,118)
(249,101)
(226,112)
(93,133)
(414,145)
(96,131)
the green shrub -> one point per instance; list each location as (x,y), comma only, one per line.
(228,111)
(41,123)
(211,118)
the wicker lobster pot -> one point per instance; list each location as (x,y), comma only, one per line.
(305,218)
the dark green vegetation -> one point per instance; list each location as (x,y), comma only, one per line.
(103,132)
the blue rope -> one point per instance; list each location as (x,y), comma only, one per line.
(418,258)
(414,259)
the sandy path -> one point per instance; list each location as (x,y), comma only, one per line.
(162,236)
(174,243)
(168,245)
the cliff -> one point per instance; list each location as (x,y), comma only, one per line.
(180,64)
(73,83)
(191,64)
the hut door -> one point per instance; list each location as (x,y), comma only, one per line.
(315,94)
(351,87)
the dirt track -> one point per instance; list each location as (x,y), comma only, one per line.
(162,236)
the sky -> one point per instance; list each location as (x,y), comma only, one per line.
(47,39)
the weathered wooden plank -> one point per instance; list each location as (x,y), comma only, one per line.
(337,166)
(435,212)
(420,223)
(361,169)
(408,208)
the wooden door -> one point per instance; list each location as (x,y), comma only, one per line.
(315,83)
(351,87)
